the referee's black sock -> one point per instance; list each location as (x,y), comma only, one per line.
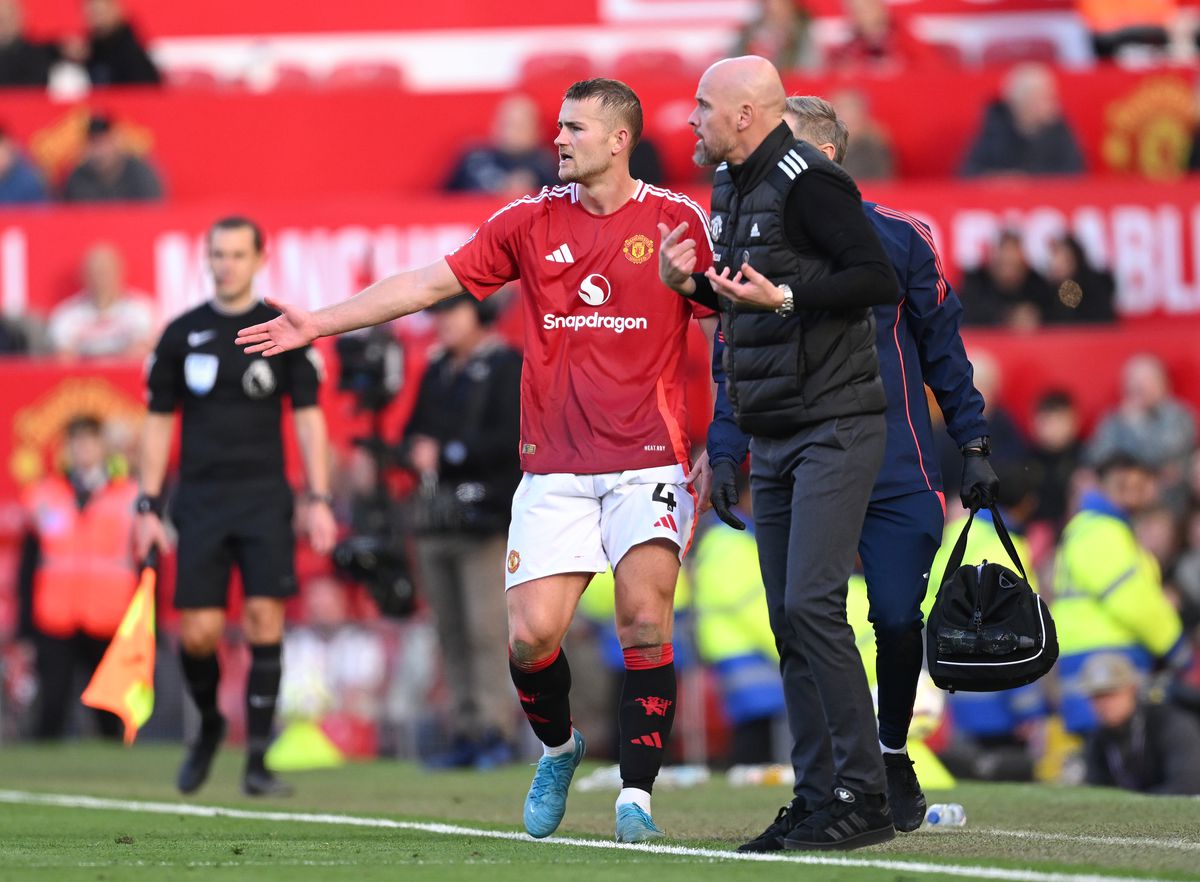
(203,673)
(262,690)
(646,713)
(544,688)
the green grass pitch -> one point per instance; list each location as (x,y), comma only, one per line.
(1078,834)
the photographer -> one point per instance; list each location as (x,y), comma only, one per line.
(462,442)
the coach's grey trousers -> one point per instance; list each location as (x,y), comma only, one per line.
(810,494)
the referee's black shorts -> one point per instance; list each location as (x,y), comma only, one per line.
(222,523)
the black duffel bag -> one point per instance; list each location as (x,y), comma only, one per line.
(988,630)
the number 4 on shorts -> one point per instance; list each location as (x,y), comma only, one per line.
(661,494)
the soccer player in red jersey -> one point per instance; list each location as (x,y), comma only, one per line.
(602,415)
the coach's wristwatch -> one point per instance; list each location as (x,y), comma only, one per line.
(323,498)
(788,306)
(147,504)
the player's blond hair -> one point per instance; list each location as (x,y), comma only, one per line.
(613,96)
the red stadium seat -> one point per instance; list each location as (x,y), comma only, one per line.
(636,66)
(359,74)
(191,78)
(1009,50)
(554,68)
(292,76)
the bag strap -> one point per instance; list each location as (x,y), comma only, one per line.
(1006,540)
(960,547)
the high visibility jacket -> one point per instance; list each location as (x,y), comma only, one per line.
(730,601)
(86,574)
(1107,589)
(599,605)
(1103,16)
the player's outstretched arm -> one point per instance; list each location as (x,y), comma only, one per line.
(383,301)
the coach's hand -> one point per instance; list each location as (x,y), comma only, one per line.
(294,328)
(979,482)
(725,492)
(748,288)
(676,259)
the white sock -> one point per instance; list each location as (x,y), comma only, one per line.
(634,795)
(883,747)
(562,749)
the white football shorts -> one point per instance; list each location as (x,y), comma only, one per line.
(566,523)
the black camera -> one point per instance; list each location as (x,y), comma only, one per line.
(380,564)
(372,367)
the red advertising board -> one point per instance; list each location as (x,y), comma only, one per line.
(323,251)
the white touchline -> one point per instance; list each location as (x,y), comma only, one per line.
(19,797)
(1155,841)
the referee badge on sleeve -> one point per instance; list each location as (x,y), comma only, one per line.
(200,372)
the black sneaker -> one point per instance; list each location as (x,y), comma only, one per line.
(260,782)
(771,839)
(196,765)
(904,793)
(848,820)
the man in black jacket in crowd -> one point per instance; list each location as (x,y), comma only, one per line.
(462,440)
(798,269)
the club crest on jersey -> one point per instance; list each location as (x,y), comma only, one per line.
(259,380)
(200,372)
(595,290)
(715,226)
(638,248)
(514,561)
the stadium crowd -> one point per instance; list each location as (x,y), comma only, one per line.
(1121,495)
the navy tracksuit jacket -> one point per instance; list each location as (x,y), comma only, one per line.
(919,344)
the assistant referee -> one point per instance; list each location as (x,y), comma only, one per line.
(233,504)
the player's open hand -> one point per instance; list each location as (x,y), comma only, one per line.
(748,288)
(149,533)
(293,328)
(676,259)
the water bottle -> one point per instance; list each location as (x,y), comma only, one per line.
(949,814)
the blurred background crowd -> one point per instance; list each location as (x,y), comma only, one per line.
(1046,142)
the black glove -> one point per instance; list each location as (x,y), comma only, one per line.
(724,495)
(979,482)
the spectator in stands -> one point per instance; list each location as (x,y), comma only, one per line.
(1150,424)
(22,62)
(1069,262)
(1007,443)
(105,319)
(336,668)
(1117,24)
(879,41)
(112,53)
(868,150)
(1058,451)
(77,572)
(514,163)
(20,181)
(1140,745)
(1024,131)
(1108,590)
(1005,290)
(110,172)
(780,33)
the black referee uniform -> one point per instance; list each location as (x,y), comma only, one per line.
(233,504)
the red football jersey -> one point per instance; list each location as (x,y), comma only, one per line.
(602,384)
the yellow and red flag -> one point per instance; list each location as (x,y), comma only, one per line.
(124,681)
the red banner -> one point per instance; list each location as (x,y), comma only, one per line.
(322,252)
(302,145)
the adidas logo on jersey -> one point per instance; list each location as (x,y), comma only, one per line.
(668,522)
(561,254)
